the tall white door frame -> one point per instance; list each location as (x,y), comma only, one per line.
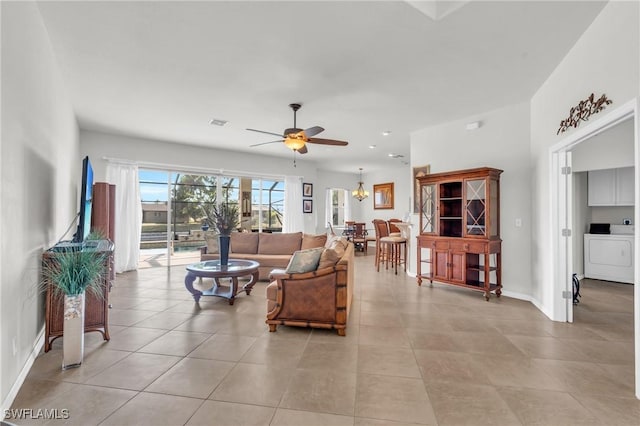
(560,195)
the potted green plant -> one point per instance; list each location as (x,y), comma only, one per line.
(225,218)
(70,274)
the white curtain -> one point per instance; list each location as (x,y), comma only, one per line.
(128,215)
(347,205)
(328,209)
(293,220)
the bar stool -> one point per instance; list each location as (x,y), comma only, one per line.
(394,231)
(382,245)
(388,247)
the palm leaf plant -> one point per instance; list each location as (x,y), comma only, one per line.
(225,217)
(74,272)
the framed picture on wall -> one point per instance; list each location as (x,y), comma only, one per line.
(383,196)
(307,190)
(307,206)
(418,172)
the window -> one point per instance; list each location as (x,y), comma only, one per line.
(338,212)
(267,199)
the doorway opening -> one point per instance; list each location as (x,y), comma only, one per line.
(562,217)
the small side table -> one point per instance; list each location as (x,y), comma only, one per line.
(212,269)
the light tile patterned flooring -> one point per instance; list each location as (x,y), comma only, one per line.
(436,356)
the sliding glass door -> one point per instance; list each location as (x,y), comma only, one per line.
(177,210)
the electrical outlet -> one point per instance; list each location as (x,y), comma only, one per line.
(518,223)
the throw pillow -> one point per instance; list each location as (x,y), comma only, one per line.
(339,244)
(313,241)
(212,244)
(330,257)
(337,240)
(304,261)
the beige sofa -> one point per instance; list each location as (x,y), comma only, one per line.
(270,250)
(319,299)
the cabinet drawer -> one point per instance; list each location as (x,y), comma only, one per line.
(469,247)
(476,247)
(441,245)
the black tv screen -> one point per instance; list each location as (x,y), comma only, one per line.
(86,196)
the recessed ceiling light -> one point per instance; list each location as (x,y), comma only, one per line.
(474,125)
(386,133)
(392,155)
(218,122)
(372,147)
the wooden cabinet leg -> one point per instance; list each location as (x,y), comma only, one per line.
(272,327)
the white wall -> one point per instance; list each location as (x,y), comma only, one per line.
(39,183)
(100,145)
(502,142)
(612,214)
(400,175)
(604,60)
(610,149)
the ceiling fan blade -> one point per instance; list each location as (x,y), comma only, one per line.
(312,131)
(266,133)
(303,150)
(264,143)
(328,142)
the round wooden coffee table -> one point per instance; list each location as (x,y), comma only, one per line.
(212,269)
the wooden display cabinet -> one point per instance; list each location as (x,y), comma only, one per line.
(459,241)
(96,306)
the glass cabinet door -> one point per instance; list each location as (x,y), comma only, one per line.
(428,209)
(494,209)
(476,208)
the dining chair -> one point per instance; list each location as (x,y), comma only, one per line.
(359,237)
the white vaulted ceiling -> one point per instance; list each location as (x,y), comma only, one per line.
(163,70)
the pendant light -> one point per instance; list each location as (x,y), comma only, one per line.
(360,193)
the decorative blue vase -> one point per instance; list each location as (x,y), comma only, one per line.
(224,241)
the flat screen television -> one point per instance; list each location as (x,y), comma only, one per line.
(86,197)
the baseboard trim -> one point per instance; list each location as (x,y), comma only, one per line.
(31,358)
(528,298)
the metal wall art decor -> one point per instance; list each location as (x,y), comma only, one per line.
(583,111)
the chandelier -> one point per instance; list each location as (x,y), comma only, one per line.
(360,193)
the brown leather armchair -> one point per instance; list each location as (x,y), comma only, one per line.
(320,299)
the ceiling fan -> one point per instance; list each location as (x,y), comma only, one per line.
(296,139)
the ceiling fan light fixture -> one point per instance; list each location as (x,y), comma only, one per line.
(294,143)
(360,193)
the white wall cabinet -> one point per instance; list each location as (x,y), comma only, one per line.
(625,186)
(611,187)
